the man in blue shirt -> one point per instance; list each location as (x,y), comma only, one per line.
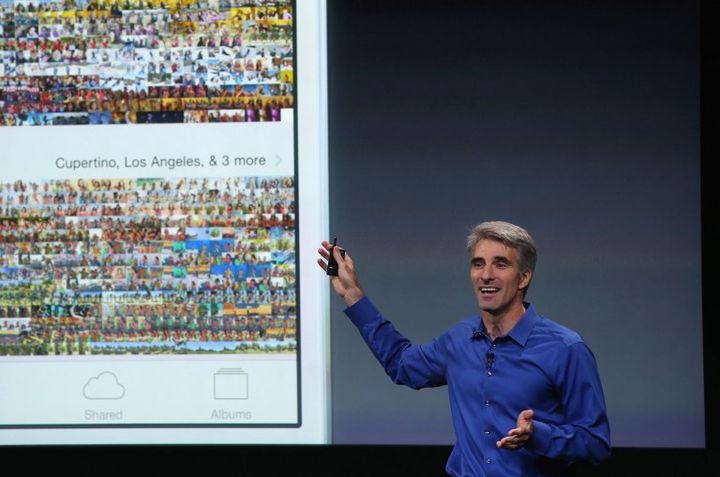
(525,394)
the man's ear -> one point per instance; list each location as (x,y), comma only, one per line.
(525,278)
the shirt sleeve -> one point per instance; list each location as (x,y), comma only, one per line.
(416,366)
(585,434)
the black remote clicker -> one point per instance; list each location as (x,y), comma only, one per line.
(332,266)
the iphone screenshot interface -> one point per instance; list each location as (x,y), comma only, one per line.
(148,223)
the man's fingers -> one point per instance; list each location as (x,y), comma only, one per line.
(341,256)
(515,438)
(518,431)
(508,443)
(336,250)
(325,251)
(511,442)
(327,246)
(518,436)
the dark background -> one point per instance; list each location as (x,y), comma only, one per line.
(580,121)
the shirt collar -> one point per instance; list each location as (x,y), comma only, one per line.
(522,329)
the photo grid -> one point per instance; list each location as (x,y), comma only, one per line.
(78,62)
(148,266)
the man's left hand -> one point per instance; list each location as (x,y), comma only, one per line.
(519,436)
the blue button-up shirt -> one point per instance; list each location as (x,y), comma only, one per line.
(538,365)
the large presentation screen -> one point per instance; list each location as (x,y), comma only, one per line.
(151,221)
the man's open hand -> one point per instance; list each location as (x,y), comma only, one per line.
(519,436)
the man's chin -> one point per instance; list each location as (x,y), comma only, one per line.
(491,307)
(487,307)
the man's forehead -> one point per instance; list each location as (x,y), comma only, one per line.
(493,249)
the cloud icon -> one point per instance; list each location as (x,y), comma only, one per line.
(104,386)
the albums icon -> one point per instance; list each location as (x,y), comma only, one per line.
(230,383)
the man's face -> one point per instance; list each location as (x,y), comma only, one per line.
(496,277)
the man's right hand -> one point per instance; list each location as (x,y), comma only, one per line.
(346,284)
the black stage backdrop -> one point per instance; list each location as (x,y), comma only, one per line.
(578,120)
(440,113)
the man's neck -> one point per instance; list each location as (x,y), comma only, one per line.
(501,322)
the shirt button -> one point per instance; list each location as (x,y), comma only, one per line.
(487,433)
(487,403)
(489,373)
(489,461)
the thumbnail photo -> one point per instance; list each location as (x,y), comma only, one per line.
(98,62)
(148,266)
